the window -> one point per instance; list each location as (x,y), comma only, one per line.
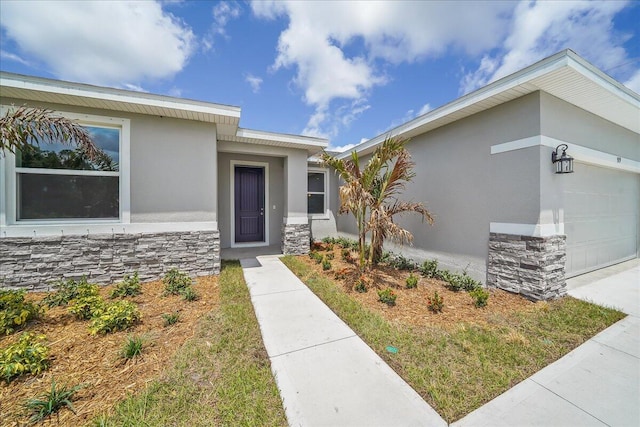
(56,184)
(57,181)
(316,192)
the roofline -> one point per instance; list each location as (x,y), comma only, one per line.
(282,137)
(565,58)
(84,90)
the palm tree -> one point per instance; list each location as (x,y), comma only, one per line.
(371,194)
(24,128)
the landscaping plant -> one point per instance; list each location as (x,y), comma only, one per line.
(361,285)
(435,303)
(188,294)
(130,286)
(132,347)
(387,296)
(50,403)
(86,307)
(429,268)
(29,355)
(116,316)
(170,318)
(412,281)
(175,282)
(70,290)
(326,264)
(479,296)
(15,312)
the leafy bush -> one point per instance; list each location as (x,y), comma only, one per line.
(175,282)
(70,290)
(329,256)
(361,285)
(52,402)
(132,347)
(400,262)
(435,303)
(188,294)
(346,254)
(27,356)
(480,296)
(429,268)
(326,264)
(130,286)
(15,312)
(387,296)
(343,242)
(119,315)
(170,318)
(458,282)
(412,281)
(86,307)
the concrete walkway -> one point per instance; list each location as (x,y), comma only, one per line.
(598,383)
(326,374)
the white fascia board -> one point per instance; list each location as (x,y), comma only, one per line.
(299,140)
(117,95)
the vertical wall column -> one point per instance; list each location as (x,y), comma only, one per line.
(531,266)
(295,223)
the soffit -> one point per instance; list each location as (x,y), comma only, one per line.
(82,95)
(249,136)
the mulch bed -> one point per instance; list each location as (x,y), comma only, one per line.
(411,304)
(94,360)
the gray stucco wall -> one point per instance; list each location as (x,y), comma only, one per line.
(173,162)
(276,195)
(466,188)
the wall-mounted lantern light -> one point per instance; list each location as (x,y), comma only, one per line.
(564,162)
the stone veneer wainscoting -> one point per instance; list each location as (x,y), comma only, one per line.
(34,263)
(295,239)
(531,266)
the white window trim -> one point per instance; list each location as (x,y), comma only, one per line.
(232,212)
(8,178)
(326,214)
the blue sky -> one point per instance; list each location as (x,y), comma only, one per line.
(347,71)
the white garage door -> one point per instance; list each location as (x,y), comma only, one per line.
(601,217)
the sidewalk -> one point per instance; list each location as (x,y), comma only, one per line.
(326,374)
(598,383)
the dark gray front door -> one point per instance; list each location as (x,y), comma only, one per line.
(249,204)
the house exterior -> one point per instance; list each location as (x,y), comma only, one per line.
(184,182)
(484,169)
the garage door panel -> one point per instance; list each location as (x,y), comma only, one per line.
(602,215)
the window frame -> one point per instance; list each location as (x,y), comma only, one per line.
(9,179)
(325,172)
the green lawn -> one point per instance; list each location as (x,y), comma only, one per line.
(221,376)
(458,369)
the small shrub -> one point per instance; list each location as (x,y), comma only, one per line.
(480,296)
(387,296)
(361,285)
(399,262)
(175,282)
(170,319)
(412,281)
(50,403)
(435,303)
(132,347)
(117,316)
(29,355)
(188,294)
(329,256)
(86,307)
(68,291)
(326,264)
(130,286)
(468,283)
(429,268)
(345,253)
(15,312)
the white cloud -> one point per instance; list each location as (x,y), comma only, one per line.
(112,43)
(634,82)
(542,28)
(322,39)
(254,81)
(343,148)
(424,109)
(222,12)
(13,57)
(408,116)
